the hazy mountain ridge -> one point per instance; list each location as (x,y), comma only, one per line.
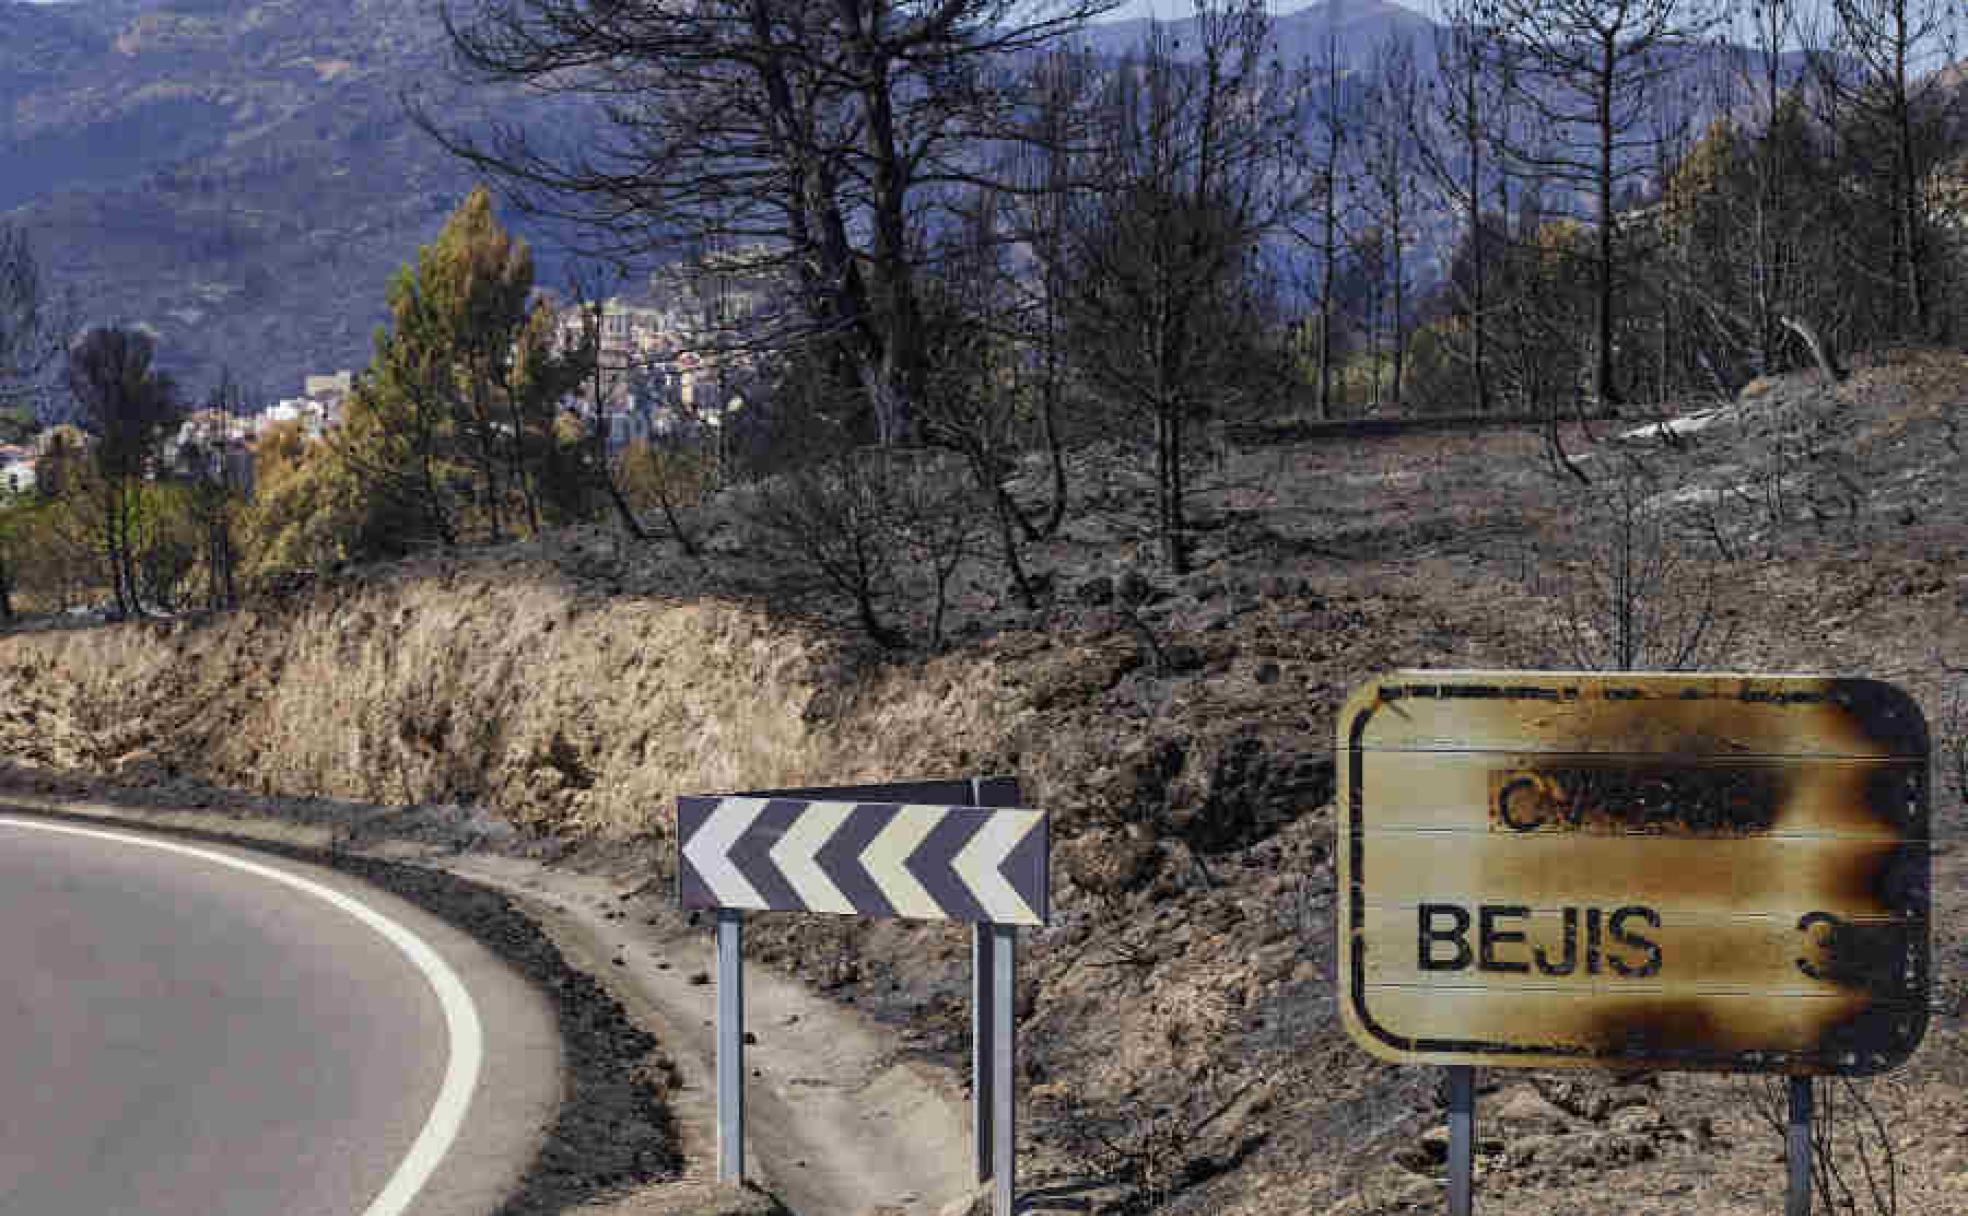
(1356,28)
(239,176)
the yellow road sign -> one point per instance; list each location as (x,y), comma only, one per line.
(1641,870)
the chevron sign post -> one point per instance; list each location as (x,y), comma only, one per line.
(914,861)
(929,850)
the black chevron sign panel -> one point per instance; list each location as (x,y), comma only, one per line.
(966,863)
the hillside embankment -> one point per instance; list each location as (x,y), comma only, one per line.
(1179,1039)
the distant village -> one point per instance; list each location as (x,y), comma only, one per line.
(658,375)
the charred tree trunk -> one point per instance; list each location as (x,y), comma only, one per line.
(1603,387)
(1821,353)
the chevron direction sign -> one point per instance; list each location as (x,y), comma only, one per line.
(983,865)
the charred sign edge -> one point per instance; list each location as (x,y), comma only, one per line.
(1886,714)
(1877,703)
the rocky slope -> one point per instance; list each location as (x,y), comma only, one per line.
(1180,1043)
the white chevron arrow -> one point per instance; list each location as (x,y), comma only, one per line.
(710,851)
(797,856)
(887,855)
(979,864)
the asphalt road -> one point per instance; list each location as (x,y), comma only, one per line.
(186,1029)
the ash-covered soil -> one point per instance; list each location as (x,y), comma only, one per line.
(1180,1043)
(614,1131)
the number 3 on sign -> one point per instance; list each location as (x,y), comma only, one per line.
(1807,924)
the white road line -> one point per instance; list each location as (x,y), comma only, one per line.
(447,1115)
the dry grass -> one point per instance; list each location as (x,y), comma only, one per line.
(584,717)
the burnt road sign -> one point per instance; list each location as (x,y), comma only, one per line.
(1665,871)
(894,849)
(985,865)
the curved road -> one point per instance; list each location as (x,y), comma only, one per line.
(191,1030)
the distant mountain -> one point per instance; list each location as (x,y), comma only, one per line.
(238,175)
(1359,29)
(1356,27)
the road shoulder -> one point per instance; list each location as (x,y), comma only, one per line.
(570,1103)
(839,1124)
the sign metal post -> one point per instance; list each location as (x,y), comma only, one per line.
(1004,1061)
(923,850)
(730,1045)
(993,792)
(981,975)
(982,1031)
(1462,1139)
(1798,1201)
